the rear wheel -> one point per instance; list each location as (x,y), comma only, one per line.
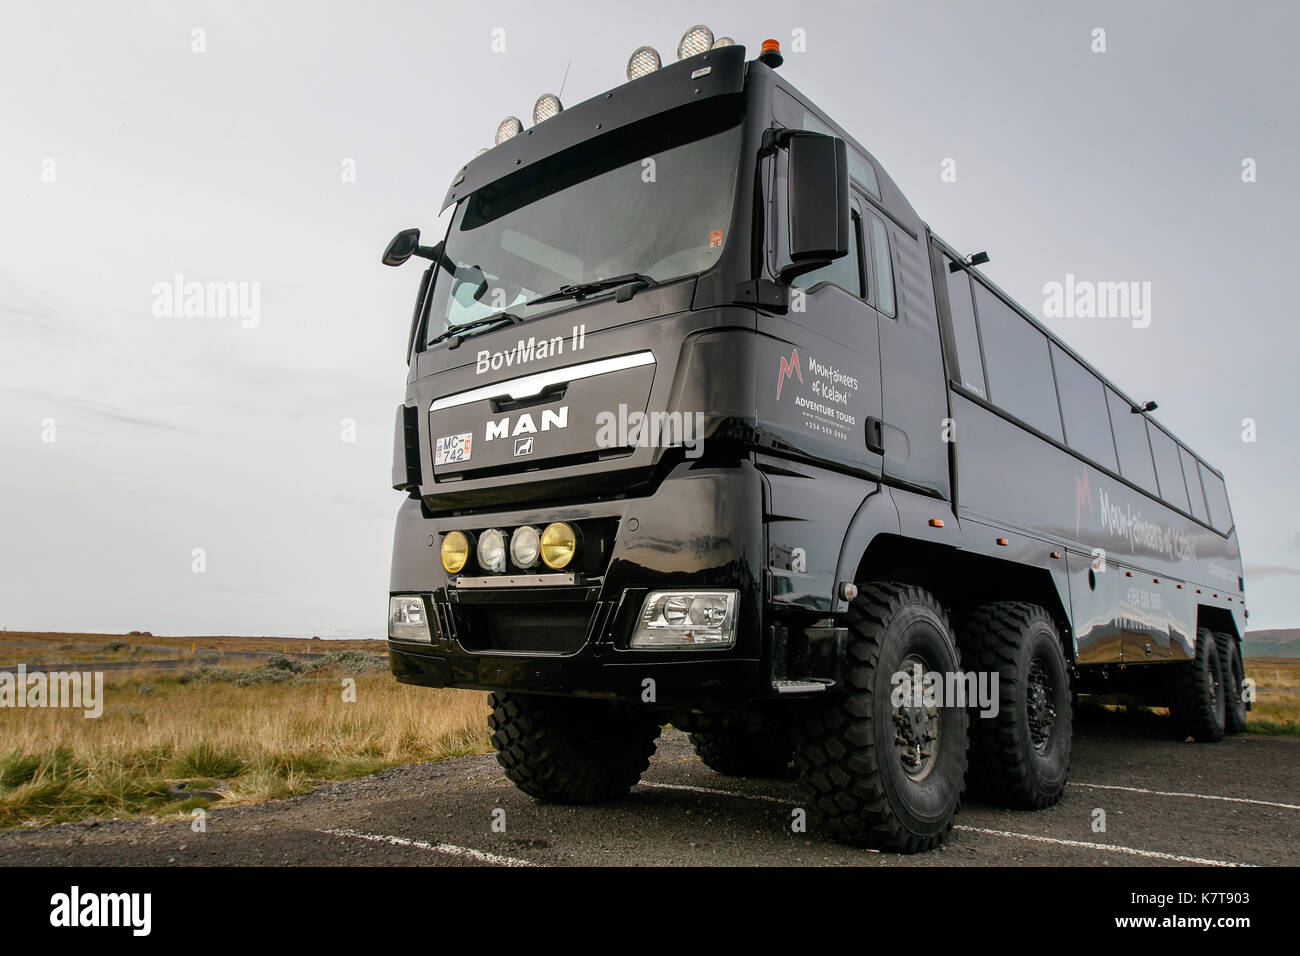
(881,766)
(1020,755)
(566,750)
(735,748)
(1197,699)
(1234,682)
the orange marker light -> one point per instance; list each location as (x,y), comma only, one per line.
(936,522)
(1003,542)
(771,45)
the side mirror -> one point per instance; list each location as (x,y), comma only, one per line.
(818,200)
(402,247)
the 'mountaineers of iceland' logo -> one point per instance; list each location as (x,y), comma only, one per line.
(1121,520)
(788,367)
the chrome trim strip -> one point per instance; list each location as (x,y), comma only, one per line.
(517,581)
(529,385)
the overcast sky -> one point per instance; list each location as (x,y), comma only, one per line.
(304,135)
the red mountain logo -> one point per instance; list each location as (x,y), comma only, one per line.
(788,367)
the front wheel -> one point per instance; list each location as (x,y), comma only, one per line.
(736,748)
(568,750)
(883,765)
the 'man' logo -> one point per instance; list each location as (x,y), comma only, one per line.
(523,446)
(524,424)
(788,367)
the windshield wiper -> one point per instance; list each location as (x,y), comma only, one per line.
(462,332)
(580,290)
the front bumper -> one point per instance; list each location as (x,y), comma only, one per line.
(701,528)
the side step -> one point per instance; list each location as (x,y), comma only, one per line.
(800,686)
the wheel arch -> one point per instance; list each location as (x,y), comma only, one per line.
(963,580)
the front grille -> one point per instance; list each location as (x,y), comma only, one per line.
(559,628)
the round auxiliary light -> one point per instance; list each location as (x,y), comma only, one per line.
(510,128)
(723,41)
(525,546)
(492,551)
(455,552)
(547,105)
(480,152)
(644,60)
(698,39)
(558,545)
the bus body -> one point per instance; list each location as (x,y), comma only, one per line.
(703,425)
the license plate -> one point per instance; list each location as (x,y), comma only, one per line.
(452,449)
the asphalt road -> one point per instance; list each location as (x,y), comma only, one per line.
(1166,802)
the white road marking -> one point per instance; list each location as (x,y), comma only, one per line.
(447,848)
(1109,847)
(1197,796)
(718,793)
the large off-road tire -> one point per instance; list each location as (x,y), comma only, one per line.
(1020,756)
(567,750)
(873,773)
(1197,698)
(737,748)
(1234,679)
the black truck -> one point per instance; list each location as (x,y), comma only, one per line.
(704,426)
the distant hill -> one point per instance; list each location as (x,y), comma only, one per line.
(1282,642)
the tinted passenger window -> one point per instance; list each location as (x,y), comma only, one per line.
(970,367)
(1216,498)
(1083,407)
(1019,369)
(1193,479)
(1131,442)
(884,267)
(1169,470)
(845,272)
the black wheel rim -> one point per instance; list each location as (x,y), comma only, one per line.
(916,728)
(1040,704)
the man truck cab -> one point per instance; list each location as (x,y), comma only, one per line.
(703,426)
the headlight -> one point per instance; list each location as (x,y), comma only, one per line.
(455,552)
(525,545)
(492,551)
(407,620)
(559,544)
(687,619)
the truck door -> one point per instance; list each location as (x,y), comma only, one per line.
(819,365)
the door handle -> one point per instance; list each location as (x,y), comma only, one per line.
(876,436)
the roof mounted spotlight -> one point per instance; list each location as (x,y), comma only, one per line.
(698,39)
(510,128)
(1144,408)
(480,152)
(723,41)
(974,259)
(644,60)
(771,55)
(547,105)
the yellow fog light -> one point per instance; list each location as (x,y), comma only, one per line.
(455,552)
(559,544)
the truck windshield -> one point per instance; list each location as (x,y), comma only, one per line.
(657,204)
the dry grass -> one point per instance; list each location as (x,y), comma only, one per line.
(1277,695)
(265,740)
